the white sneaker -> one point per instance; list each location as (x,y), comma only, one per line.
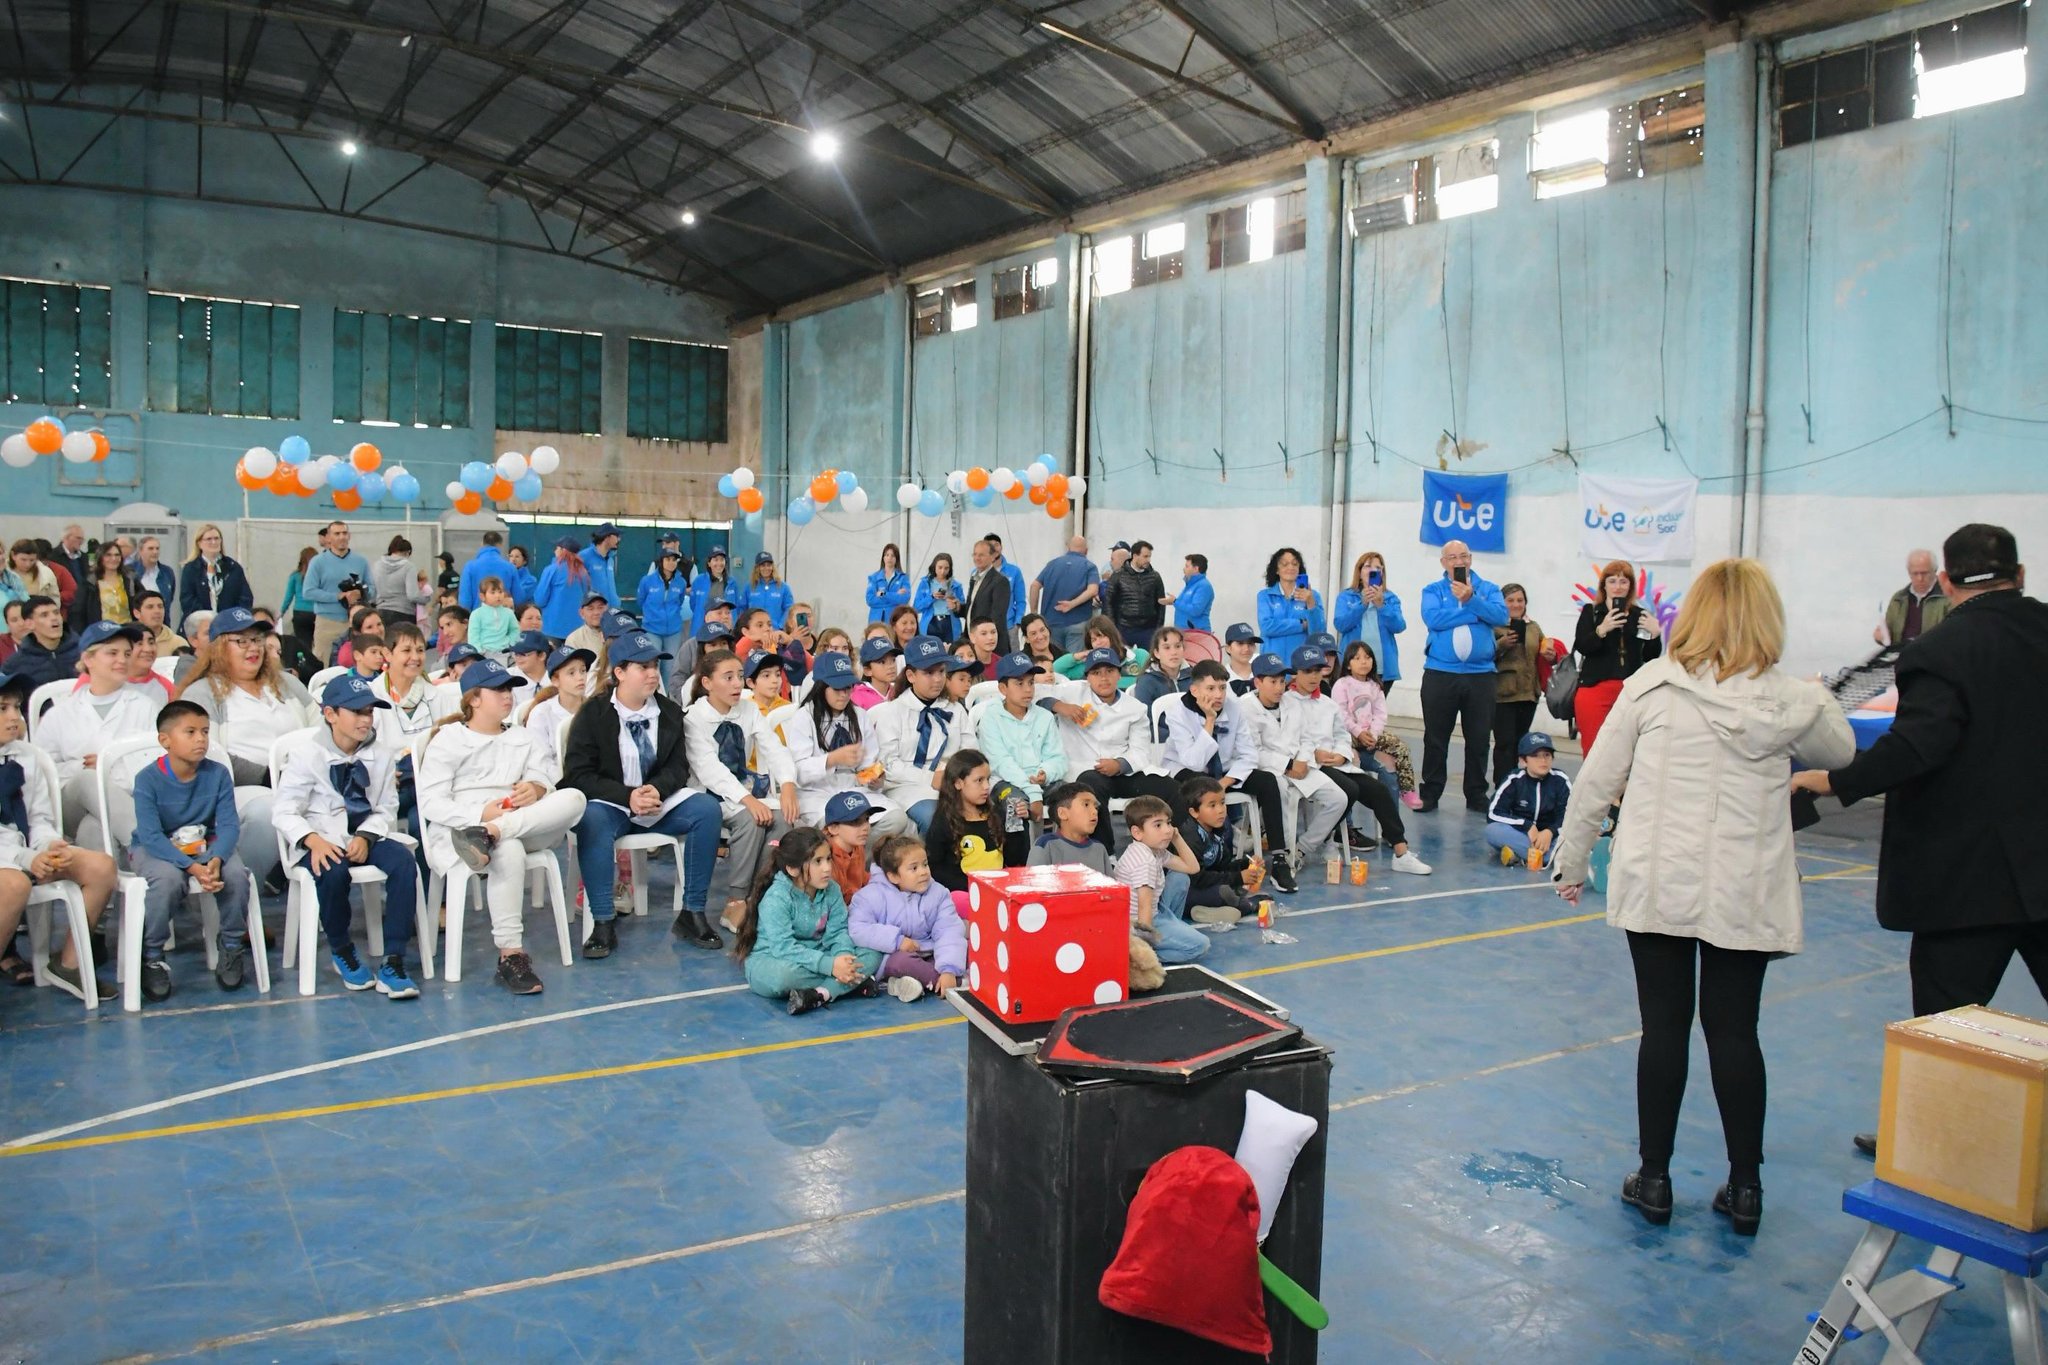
(1408,862)
(906,988)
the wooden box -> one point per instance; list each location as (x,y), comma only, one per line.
(1961,1117)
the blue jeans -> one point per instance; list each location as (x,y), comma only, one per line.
(696,820)
(1177,941)
(1071,639)
(672,645)
(920,814)
(1507,836)
(167,892)
(401,895)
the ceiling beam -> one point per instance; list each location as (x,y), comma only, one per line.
(1308,125)
(420,55)
(1714,11)
(330,60)
(534,36)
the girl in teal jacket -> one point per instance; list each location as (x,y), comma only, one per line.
(793,942)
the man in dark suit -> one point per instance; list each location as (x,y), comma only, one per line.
(624,751)
(1963,859)
(70,552)
(988,595)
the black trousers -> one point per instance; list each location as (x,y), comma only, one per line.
(1731,985)
(1366,790)
(1964,966)
(1107,788)
(1263,788)
(1511,720)
(1465,701)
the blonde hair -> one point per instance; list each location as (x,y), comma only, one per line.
(200,535)
(1732,620)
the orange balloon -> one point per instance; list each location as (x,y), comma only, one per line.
(977,478)
(470,503)
(1057,508)
(365,457)
(246,479)
(348,500)
(1037,495)
(752,500)
(824,488)
(500,489)
(1056,486)
(1016,490)
(101,448)
(44,436)
(300,490)
(284,480)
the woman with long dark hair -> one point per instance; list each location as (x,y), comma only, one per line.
(1289,609)
(111,594)
(888,586)
(941,601)
(1615,637)
(793,943)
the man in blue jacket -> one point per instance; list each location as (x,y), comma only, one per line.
(1192,603)
(1458,683)
(602,558)
(489,562)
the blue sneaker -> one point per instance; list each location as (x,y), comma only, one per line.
(350,968)
(392,980)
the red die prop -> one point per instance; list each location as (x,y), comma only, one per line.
(1043,939)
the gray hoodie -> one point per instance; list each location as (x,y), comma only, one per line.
(394,586)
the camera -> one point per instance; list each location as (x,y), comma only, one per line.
(353,583)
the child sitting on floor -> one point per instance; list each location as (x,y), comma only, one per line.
(1216,893)
(184,794)
(1156,865)
(1528,810)
(846,830)
(1075,818)
(793,942)
(910,917)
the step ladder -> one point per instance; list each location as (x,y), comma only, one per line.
(1901,1308)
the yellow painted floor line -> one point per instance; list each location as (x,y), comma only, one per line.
(1427,943)
(1852,870)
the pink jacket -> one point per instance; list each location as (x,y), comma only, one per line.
(1364,707)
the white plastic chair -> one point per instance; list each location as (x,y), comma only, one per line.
(302,895)
(133,890)
(44,697)
(540,866)
(66,894)
(1237,800)
(321,679)
(636,846)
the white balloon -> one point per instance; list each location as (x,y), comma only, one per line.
(854,501)
(1076,486)
(1036,475)
(956,482)
(512,466)
(544,460)
(78,447)
(1002,480)
(260,462)
(454,490)
(743,477)
(312,475)
(906,497)
(17,452)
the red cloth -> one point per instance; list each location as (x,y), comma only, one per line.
(849,869)
(1190,1254)
(1590,705)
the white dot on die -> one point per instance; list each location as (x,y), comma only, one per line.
(974,895)
(1070,958)
(1031,918)
(1002,999)
(974,976)
(1002,957)
(974,936)
(1002,914)
(1108,993)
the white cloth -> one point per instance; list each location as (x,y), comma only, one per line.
(1316,722)
(1190,744)
(43,806)
(464,770)
(73,729)
(307,803)
(700,734)
(1277,733)
(246,724)
(629,749)
(1122,728)
(409,717)
(815,782)
(906,781)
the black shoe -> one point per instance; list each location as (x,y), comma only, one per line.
(473,844)
(1428,807)
(1651,1194)
(1361,842)
(685,927)
(1866,1143)
(803,1002)
(604,936)
(1282,873)
(274,884)
(515,974)
(156,980)
(227,973)
(868,989)
(703,935)
(1479,806)
(1744,1207)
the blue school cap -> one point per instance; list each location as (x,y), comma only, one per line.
(1239,633)
(486,673)
(1269,665)
(1535,742)
(848,808)
(351,691)
(833,669)
(637,648)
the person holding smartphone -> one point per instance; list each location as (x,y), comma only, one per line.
(940,600)
(1459,686)
(1615,638)
(1369,610)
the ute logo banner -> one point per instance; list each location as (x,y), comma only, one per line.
(1468,507)
(1642,520)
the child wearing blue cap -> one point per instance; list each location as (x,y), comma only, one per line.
(920,728)
(568,686)
(1527,811)
(880,661)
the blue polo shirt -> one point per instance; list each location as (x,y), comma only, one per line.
(1062,579)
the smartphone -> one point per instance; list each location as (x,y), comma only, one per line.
(1461,574)
(803,618)
(1373,578)
(1616,604)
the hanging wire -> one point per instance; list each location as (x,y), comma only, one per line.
(1806,293)
(1443,307)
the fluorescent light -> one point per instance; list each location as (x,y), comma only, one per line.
(348,148)
(1997,77)
(824,145)
(689,218)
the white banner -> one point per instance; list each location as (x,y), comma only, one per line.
(1644,521)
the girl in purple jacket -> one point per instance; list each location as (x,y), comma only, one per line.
(911,918)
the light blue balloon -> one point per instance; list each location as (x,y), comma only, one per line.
(982,497)
(931,502)
(526,487)
(848,481)
(477,476)
(1048,461)
(341,475)
(726,487)
(371,487)
(405,488)
(294,449)
(801,511)
(754,519)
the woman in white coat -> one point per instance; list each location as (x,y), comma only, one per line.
(735,756)
(1703,740)
(830,744)
(487,796)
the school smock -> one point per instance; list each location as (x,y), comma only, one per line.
(546,720)
(1121,730)
(1316,722)
(1231,751)
(915,740)
(462,771)
(886,592)
(714,752)
(78,724)
(411,715)
(18,846)
(816,783)
(307,802)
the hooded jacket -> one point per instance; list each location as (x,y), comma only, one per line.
(395,586)
(1705,850)
(883,915)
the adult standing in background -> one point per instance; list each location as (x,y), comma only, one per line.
(153,575)
(1461,610)
(1289,609)
(713,583)
(69,554)
(295,607)
(211,581)
(488,562)
(1916,608)
(769,593)
(446,580)
(39,577)
(1615,637)
(1192,604)
(988,596)
(1517,648)
(522,582)
(1704,879)
(888,586)
(331,568)
(1018,595)
(1369,610)
(1961,864)
(941,603)
(1064,593)
(397,589)
(563,586)
(108,592)
(1119,555)
(1135,598)
(601,557)
(663,600)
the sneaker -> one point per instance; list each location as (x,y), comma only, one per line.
(1408,862)
(866,989)
(1212,914)
(1507,856)
(1281,870)
(228,971)
(803,1002)
(473,844)
(1412,800)
(515,974)
(604,936)
(156,980)
(906,988)
(353,973)
(1361,842)
(392,980)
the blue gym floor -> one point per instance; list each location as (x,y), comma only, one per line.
(647,1163)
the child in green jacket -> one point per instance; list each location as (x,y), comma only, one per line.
(793,941)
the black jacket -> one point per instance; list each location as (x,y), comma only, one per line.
(590,753)
(1965,842)
(1131,597)
(40,664)
(79,566)
(991,602)
(1616,656)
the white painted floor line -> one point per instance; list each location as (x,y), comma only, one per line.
(543,1281)
(357,1059)
(1286,913)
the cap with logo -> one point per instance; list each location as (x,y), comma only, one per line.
(1018,665)
(711,632)
(760,659)
(848,808)
(1100,657)
(604,529)
(1306,658)
(532,642)
(924,651)
(462,654)
(591,597)
(351,691)
(569,543)
(764,558)
(1535,742)
(616,623)
(881,647)
(486,673)
(833,669)
(1269,665)
(237,621)
(564,656)
(99,632)
(637,648)
(1240,633)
